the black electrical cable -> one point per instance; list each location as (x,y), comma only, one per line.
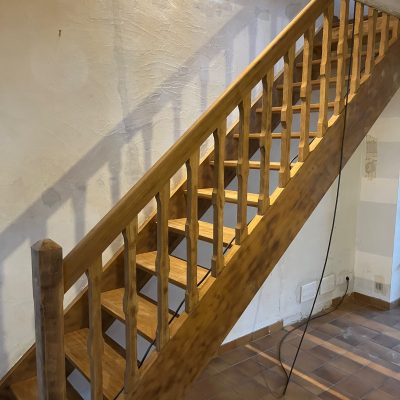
(309,319)
(176,314)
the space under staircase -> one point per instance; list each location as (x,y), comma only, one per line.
(243,256)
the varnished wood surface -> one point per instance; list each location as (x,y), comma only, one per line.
(314,83)
(104,233)
(177,275)
(297,107)
(231,196)
(48,296)
(113,365)
(112,303)
(273,166)
(205,230)
(199,337)
(274,135)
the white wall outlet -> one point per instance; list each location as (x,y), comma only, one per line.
(327,284)
(308,291)
(341,278)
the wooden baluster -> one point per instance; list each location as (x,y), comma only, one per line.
(95,338)
(305,94)
(192,230)
(395,24)
(162,267)
(130,305)
(286,116)
(370,60)
(385,29)
(265,141)
(357,48)
(218,199)
(342,49)
(325,71)
(243,167)
(48,295)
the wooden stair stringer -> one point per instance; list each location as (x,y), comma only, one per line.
(248,266)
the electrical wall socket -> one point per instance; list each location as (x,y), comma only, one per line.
(341,278)
(308,291)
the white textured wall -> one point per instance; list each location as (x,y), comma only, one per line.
(378,253)
(92,93)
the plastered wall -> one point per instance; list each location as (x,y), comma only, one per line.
(377,267)
(92,94)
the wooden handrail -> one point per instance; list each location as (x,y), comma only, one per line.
(105,232)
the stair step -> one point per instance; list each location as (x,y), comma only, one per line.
(113,364)
(26,389)
(294,135)
(316,82)
(273,166)
(334,58)
(178,268)
(297,107)
(205,230)
(112,302)
(231,196)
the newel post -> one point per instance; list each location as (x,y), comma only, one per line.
(48,295)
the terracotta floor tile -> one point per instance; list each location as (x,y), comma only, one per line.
(392,387)
(227,395)
(378,395)
(355,386)
(237,355)
(330,373)
(345,364)
(320,373)
(386,341)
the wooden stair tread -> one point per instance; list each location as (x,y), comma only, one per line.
(334,58)
(205,230)
(273,166)
(315,82)
(297,107)
(112,302)
(26,389)
(178,268)
(113,364)
(231,196)
(294,135)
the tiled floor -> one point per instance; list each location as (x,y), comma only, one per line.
(352,353)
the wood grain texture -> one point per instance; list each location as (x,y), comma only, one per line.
(130,304)
(305,94)
(297,108)
(370,61)
(178,267)
(104,233)
(265,142)
(113,365)
(342,51)
(48,296)
(203,331)
(384,40)
(242,168)
(276,135)
(273,166)
(192,230)
(231,196)
(286,116)
(325,70)
(218,199)
(357,49)
(95,344)
(206,230)
(162,267)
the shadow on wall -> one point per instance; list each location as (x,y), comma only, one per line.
(32,224)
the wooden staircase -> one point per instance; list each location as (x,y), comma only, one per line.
(242,256)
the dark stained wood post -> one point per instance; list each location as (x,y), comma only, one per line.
(48,295)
